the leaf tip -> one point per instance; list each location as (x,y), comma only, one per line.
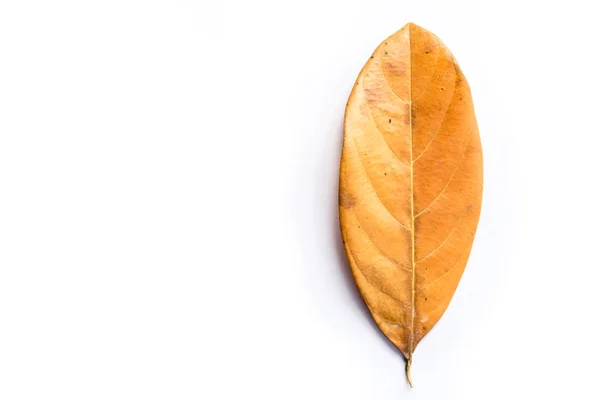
(411,25)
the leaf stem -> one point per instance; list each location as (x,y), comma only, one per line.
(408,364)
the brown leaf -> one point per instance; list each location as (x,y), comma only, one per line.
(410,183)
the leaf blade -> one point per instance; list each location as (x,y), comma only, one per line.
(410,183)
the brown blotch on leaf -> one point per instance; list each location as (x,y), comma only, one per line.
(346,199)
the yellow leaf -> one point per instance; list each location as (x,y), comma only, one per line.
(411,180)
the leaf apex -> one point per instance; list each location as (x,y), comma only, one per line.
(412,26)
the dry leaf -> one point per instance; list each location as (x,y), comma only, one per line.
(410,183)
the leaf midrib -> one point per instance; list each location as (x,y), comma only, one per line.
(412,208)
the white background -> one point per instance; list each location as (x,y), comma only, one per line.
(168,190)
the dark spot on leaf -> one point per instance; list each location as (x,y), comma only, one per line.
(385,53)
(385,173)
(346,199)
(441,89)
(425,298)
(390,121)
(426,52)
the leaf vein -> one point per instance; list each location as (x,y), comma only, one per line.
(441,125)
(377,247)
(381,133)
(371,283)
(447,183)
(445,239)
(437,60)
(456,264)
(386,82)
(373,186)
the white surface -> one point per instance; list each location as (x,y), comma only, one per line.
(168,223)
